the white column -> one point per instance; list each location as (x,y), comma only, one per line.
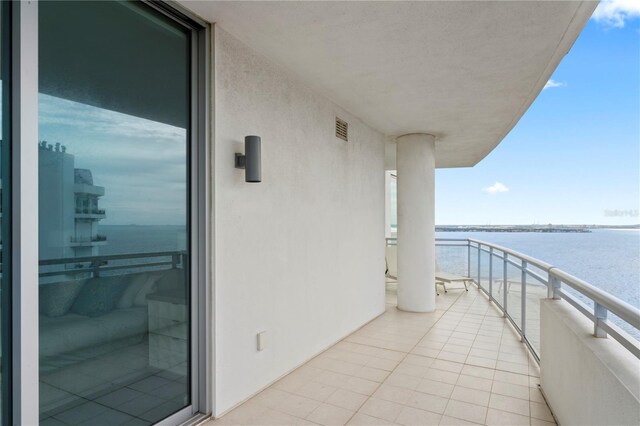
(415,159)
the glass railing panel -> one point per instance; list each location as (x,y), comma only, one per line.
(484,269)
(473,259)
(496,278)
(452,259)
(537,275)
(514,293)
(517,289)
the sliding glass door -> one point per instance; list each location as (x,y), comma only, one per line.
(115,196)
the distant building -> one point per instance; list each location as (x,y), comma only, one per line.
(69,200)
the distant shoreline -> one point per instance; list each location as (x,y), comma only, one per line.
(526,228)
(533,228)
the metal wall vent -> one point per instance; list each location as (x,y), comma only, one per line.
(342,129)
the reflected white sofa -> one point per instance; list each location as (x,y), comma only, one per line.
(74,327)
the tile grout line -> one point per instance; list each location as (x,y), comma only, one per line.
(464,363)
(405,357)
(484,317)
(496,369)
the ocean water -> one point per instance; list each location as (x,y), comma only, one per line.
(608,259)
(136,239)
(123,239)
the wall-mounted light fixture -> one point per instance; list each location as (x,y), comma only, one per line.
(250,161)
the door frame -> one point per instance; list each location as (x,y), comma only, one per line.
(23,244)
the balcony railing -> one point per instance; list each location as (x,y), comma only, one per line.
(90,211)
(117,264)
(516,283)
(92,239)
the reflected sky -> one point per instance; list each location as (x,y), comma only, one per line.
(140,163)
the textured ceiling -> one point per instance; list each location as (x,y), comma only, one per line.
(463,71)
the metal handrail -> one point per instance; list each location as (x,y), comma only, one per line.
(603,302)
(531,260)
(614,305)
(92,239)
(95,265)
(107,257)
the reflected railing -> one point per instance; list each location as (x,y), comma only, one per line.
(90,211)
(93,239)
(101,265)
(516,283)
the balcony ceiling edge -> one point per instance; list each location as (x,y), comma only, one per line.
(465,71)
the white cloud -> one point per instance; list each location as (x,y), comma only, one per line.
(495,188)
(615,13)
(552,83)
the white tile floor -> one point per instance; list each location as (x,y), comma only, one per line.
(461,365)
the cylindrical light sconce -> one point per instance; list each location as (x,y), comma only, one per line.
(251,160)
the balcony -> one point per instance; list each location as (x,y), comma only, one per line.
(86,213)
(462,363)
(96,240)
(475,360)
(83,188)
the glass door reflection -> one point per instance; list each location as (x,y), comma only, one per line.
(113,214)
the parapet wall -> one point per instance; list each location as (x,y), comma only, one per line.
(586,380)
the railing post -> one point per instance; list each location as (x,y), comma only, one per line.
(553,288)
(174,261)
(600,314)
(504,284)
(490,273)
(468,258)
(479,253)
(523,299)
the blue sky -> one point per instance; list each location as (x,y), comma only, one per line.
(574,157)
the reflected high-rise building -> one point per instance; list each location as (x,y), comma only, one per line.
(70,202)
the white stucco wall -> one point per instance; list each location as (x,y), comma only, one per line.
(300,255)
(586,380)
